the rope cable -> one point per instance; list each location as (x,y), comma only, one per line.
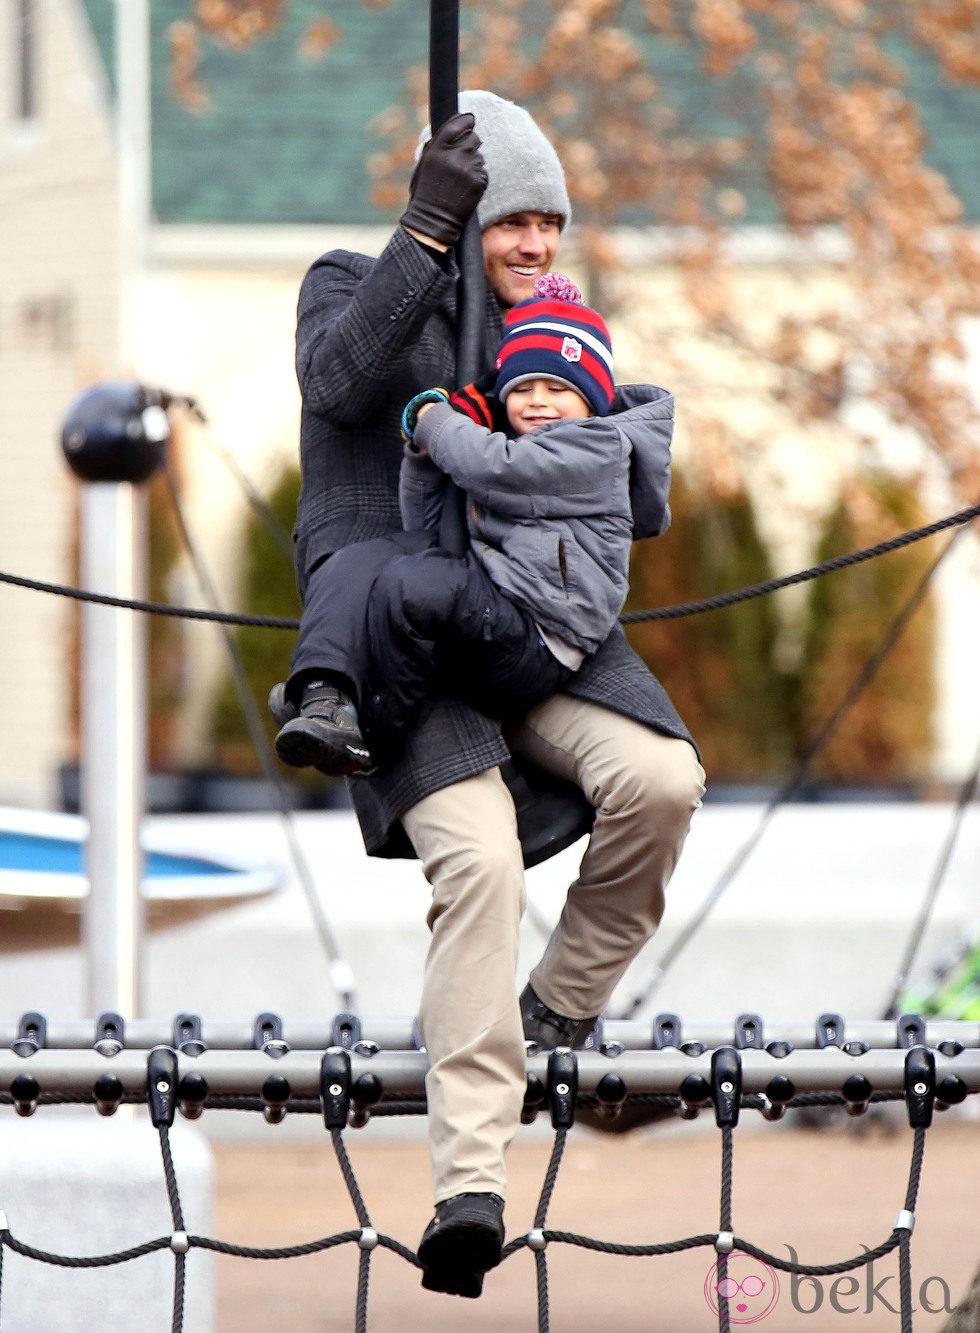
(963,516)
(804,575)
(255,499)
(824,734)
(339,969)
(967,793)
(177,1218)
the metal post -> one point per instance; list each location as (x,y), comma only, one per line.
(113,561)
(113,746)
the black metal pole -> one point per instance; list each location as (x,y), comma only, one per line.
(443,60)
(471,296)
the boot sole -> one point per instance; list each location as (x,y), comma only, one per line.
(296,747)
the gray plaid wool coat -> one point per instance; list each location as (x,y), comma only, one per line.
(371,334)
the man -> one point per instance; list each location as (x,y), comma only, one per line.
(371,334)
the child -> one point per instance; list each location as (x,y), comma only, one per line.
(545,575)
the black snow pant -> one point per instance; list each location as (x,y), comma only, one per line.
(401,621)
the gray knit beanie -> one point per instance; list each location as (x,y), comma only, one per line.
(525,173)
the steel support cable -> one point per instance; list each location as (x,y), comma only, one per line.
(863,678)
(256,501)
(967,793)
(177,1218)
(540,1217)
(725,1224)
(339,969)
(364,1260)
(963,516)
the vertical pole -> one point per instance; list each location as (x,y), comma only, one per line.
(113,748)
(471,296)
(443,60)
(113,560)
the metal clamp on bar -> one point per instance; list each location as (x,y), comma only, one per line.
(610,1095)
(950,1092)
(780,1091)
(694,1093)
(346,1030)
(857,1093)
(32,1034)
(911,1031)
(666,1032)
(920,1086)
(830,1031)
(161,1086)
(276,1091)
(335,1087)
(562,1087)
(107,1094)
(192,1093)
(267,1036)
(534,1099)
(749,1032)
(25,1090)
(187,1036)
(366,1092)
(726,1086)
(110,1034)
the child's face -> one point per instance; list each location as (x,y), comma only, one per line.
(536,402)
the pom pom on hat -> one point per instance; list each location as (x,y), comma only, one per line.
(556,336)
(556,287)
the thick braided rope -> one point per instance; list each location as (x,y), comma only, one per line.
(177,1218)
(803,575)
(85,1260)
(364,1261)
(540,1217)
(725,1224)
(632,617)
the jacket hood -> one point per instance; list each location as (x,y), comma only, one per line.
(645,413)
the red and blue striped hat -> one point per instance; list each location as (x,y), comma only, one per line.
(556,336)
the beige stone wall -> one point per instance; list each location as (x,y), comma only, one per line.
(57,331)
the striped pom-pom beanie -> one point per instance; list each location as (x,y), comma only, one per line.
(555,336)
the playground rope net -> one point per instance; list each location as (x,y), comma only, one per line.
(349,1072)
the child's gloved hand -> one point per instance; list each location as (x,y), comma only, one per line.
(410,415)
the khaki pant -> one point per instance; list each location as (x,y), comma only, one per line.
(644,787)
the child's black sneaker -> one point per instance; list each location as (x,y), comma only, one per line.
(325,735)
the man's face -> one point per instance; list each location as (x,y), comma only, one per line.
(516,251)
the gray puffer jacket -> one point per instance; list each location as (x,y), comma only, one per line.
(552,514)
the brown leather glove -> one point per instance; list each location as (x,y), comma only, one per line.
(448,182)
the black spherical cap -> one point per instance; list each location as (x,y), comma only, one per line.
(115,432)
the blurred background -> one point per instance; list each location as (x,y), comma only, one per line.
(775,204)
